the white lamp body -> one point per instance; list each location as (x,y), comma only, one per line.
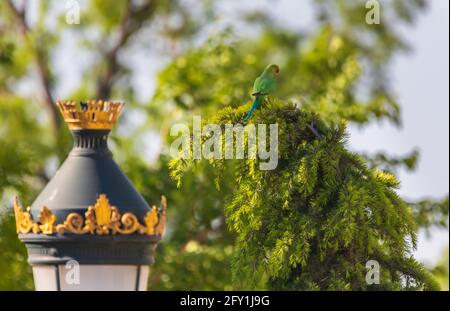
(90,277)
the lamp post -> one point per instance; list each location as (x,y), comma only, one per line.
(89,229)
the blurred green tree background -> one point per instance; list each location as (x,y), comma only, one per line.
(336,67)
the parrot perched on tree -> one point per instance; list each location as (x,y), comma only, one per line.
(264,85)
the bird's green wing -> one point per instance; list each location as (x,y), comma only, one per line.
(269,85)
(256,86)
(264,85)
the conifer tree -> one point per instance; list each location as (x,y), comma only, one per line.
(316,220)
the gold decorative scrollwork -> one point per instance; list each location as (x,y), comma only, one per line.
(47,220)
(24,222)
(161,225)
(101,218)
(151,220)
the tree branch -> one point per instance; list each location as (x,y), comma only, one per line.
(41,68)
(314,131)
(131,22)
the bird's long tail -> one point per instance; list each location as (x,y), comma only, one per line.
(256,104)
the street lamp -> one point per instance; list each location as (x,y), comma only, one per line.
(89,229)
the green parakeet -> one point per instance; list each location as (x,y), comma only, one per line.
(264,85)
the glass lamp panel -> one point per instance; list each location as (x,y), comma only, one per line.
(100,277)
(143,278)
(45,278)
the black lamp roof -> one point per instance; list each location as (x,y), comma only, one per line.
(88,172)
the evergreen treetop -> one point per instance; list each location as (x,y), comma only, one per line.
(316,220)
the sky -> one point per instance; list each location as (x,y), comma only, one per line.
(420,79)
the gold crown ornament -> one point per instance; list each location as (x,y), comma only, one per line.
(92,114)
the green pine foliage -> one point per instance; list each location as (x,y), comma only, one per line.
(192,263)
(314,221)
